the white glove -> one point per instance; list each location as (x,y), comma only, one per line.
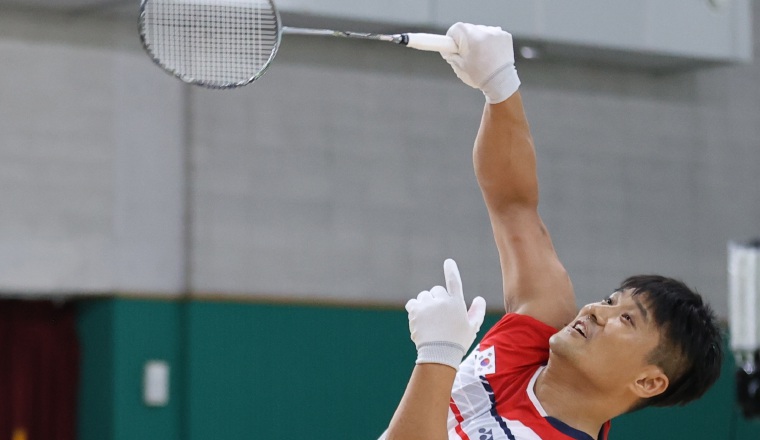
(485,60)
(441,326)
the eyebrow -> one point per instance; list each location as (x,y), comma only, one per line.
(642,308)
(638,304)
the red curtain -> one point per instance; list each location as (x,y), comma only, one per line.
(39,365)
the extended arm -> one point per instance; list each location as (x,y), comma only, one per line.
(534,281)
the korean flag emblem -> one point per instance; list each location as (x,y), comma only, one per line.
(485,362)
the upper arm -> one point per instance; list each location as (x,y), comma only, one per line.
(535,282)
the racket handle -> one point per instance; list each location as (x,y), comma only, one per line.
(430,42)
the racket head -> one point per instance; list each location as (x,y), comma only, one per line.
(218,44)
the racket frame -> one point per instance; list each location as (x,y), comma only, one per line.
(184,77)
(421,41)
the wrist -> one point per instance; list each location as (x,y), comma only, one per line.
(445,353)
(503,84)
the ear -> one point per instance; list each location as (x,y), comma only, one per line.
(651,382)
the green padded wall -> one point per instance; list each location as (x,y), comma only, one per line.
(145,330)
(117,337)
(96,386)
(294,372)
(258,371)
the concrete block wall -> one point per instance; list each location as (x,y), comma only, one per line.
(91,148)
(345,172)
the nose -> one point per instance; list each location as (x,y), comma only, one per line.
(598,313)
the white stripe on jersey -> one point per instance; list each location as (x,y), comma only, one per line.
(476,408)
(532,393)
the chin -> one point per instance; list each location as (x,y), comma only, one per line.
(557,344)
(561,344)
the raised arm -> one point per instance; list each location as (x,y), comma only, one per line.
(534,281)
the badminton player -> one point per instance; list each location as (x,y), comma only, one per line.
(545,370)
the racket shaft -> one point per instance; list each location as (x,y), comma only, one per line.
(341,34)
(420,41)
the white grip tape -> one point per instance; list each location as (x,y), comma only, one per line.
(432,42)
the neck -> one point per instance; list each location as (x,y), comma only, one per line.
(566,398)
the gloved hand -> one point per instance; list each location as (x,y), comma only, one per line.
(485,60)
(441,326)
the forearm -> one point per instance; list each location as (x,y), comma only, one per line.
(504,157)
(535,282)
(423,411)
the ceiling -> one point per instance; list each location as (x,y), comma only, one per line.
(549,51)
(73,5)
(61,4)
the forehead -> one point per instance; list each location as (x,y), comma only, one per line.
(640,299)
(628,294)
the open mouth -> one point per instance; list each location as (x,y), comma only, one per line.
(580,328)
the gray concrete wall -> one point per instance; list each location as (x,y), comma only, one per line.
(91,187)
(345,172)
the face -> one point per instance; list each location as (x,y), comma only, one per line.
(610,341)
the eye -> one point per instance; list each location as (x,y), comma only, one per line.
(607,301)
(627,317)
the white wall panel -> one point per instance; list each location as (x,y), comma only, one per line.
(398,11)
(520,17)
(698,28)
(679,32)
(612,23)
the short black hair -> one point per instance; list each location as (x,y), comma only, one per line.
(690,351)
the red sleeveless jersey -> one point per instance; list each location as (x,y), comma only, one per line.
(492,397)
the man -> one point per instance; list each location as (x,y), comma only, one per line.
(543,371)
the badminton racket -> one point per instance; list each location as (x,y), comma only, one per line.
(223,44)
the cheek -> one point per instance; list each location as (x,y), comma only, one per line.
(625,355)
(610,368)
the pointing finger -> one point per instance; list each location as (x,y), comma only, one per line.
(453,279)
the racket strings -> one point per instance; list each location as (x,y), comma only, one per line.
(220,43)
